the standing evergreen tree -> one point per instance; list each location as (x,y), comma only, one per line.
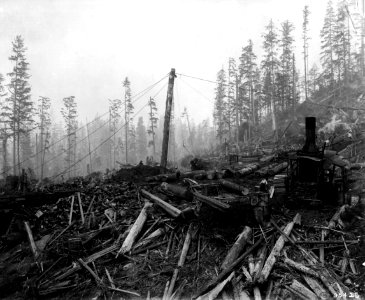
(305,47)
(132,143)
(69,113)
(327,46)
(19,106)
(114,108)
(128,110)
(248,74)
(141,140)
(153,124)
(313,80)
(219,106)
(286,64)
(342,45)
(44,106)
(231,106)
(4,128)
(270,65)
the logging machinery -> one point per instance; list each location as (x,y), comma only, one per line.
(316,174)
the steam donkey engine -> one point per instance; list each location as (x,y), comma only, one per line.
(316,174)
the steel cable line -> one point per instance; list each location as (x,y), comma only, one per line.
(137,96)
(197,91)
(202,79)
(87,136)
(97,147)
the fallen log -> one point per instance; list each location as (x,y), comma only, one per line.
(150,238)
(327,242)
(177,190)
(326,277)
(302,290)
(259,263)
(272,169)
(334,220)
(215,292)
(233,186)
(171,210)
(81,209)
(71,210)
(300,267)
(276,250)
(181,262)
(237,247)
(248,169)
(33,246)
(317,288)
(135,230)
(211,201)
(229,269)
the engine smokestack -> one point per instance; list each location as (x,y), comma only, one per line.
(310,135)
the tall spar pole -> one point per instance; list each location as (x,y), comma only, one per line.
(166,127)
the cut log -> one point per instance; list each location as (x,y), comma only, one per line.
(71,210)
(171,210)
(33,246)
(334,220)
(135,230)
(272,169)
(194,174)
(237,247)
(244,295)
(229,269)
(303,290)
(150,238)
(81,209)
(215,292)
(181,262)
(326,277)
(317,288)
(211,201)
(251,264)
(248,169)
(233,186)
(321,249)
(260,262)
(276,250)
(300,267)
(177,190)
(256,293)
(111,281)
(96,277)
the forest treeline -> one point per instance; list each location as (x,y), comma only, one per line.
(249,93)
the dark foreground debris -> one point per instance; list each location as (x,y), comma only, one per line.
(195,235)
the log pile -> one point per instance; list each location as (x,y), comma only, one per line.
(113,238)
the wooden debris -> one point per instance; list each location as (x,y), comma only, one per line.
(276,250)
(71,210)
(237,247)
(135,230)
(302,290)
(181,262)
(233,186)
(211,201)
(171,210)
(215,292)
(33,246)
(248,169)
(81,209)
(316,287)
(229,269)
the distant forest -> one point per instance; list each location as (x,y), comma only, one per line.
(253,102)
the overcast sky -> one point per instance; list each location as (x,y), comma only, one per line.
(86,48)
